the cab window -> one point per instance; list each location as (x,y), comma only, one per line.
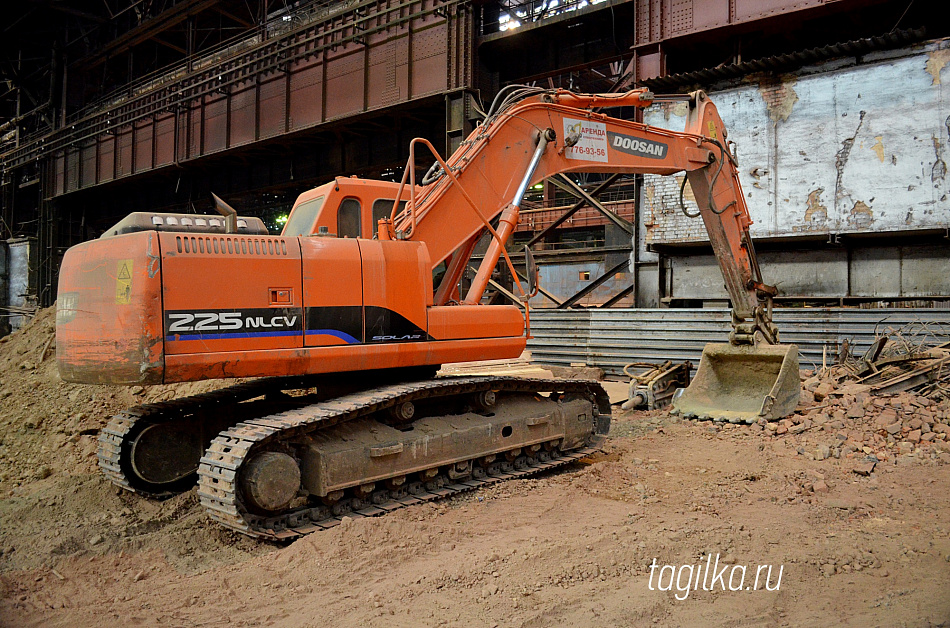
(348,219)
(383,208)
(302,218)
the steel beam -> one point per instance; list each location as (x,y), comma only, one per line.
(379,24)
(148,29)
(617,297)
(511,296)
(541,290)
(565,183)
(570,212)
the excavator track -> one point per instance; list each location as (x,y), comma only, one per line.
(220,470)
(223,407)
(115,435)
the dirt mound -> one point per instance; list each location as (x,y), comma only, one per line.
(49,427)
(48,465)
(573,548)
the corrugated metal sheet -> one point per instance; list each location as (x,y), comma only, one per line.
(612,339)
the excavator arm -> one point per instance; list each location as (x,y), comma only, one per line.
(549,132)
(533,134)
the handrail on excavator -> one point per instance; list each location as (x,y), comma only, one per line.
(410,173)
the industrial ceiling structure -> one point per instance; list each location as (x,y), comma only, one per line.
(113,106)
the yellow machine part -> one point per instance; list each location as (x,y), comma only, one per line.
(742,384)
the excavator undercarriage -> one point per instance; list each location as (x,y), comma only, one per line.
(297,457)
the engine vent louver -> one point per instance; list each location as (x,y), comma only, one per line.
(230,245)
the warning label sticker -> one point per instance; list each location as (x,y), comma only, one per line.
(123,282)
(591,143)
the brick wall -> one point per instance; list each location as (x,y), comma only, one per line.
(663,219)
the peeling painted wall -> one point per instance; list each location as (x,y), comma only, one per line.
(854,149)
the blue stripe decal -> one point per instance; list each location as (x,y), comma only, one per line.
(243,334)
(345,337)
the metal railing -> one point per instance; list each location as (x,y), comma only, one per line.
(185,87)
(277,26)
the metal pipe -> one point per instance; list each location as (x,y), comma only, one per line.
(543,140)
(229,213)
(640,97)
(672,98)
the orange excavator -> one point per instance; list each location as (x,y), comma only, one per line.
(347,315)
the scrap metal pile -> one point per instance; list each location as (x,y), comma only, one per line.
(914,358)
(888,403)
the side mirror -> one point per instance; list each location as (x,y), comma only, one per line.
(531,270)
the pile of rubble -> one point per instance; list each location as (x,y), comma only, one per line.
(913,358)
(891,403)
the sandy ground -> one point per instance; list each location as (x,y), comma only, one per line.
(569,548)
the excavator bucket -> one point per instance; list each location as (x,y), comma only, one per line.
(742,384)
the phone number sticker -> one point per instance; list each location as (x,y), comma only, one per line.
(592,140)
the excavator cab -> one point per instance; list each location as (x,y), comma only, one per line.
(346,207)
